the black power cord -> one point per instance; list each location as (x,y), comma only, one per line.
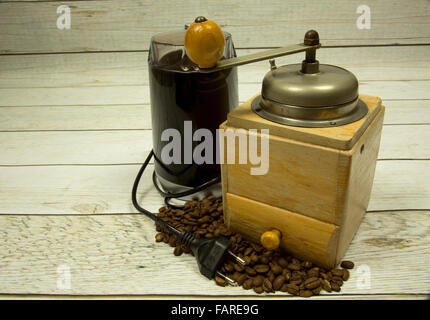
(209,252)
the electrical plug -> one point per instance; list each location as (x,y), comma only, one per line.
(210,253)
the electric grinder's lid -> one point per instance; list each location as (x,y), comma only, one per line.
(311,94)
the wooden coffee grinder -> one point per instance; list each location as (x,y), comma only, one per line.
(323,144)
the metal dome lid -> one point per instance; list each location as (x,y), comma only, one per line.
(310,94)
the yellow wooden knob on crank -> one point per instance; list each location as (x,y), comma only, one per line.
(271,239)
(204,42)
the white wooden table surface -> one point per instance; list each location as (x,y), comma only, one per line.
(75,125)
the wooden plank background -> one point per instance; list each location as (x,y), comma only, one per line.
(75,124)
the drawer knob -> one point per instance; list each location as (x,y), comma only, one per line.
(271,239)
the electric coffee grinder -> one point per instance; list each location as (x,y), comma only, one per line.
(184,100)
(323,144)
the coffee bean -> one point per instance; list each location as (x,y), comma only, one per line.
(159,237)
(229,267)
(296,282)
(271,276)
(312,283)
(345,275)
(258,289)
(335,286)
(296,275)
(178,251)
(267,285)
(283,262)
(248,251)
(278,282)
(326,285)
(220,281)
(264,260)
(293,289)
(250,271)
(238,267)
(347,264)
(337,272)
(248,284)
(235,276)
(241,279)
(306,293)
(338,280)
(314,272)
(254,258)
(316,291)
(277,269)
(257,281)
(166,238)
(293,266)
(262,268)
(307,264)
(284,287)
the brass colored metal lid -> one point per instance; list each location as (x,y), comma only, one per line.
(310,94)
(330,86)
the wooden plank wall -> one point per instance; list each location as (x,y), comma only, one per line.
(75,124)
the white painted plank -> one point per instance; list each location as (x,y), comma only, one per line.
(132,117)
(83,96)
(404,111)
(116,95)
(115,117)
(405,142)
(128,25)
(106,189)
(87,147)
(132,146)
(130,68)
(117,254)
(401,185)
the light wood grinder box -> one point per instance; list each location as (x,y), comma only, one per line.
(323,145)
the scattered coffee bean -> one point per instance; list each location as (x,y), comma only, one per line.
(258,281)
(337,272)
(347,264)
(306,293)
(316,291)
(277,269)
(293,289)
(264,270)
(335,286)
(312,283)
(293,266)
(267,285)
(250,271)
(220,281)
(159,237)
(248,284)
(283,262)
(345,275)
(241,279)
(178,251)
(258,289)
(278,282)
(326,285)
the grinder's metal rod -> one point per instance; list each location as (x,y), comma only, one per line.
(258,56)
(310,44)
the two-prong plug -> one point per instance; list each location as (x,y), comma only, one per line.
(210,253)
